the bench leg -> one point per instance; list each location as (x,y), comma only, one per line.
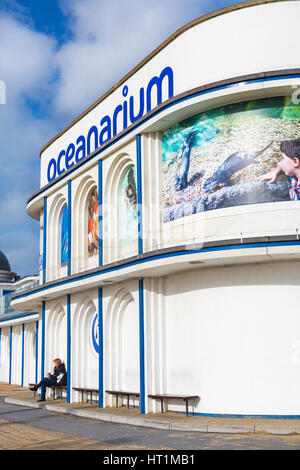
(128,401)
(117,400)
(162,404)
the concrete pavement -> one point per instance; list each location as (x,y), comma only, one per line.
(170,421)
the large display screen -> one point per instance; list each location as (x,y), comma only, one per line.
(243,153)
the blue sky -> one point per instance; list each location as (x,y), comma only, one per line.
(56,58)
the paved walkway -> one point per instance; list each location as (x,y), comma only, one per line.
(177,422)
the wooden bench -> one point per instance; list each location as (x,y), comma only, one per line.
(57,387)
(53,390)
(185,398)
(87,390)
(123,393)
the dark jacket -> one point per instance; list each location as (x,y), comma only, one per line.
(57,374)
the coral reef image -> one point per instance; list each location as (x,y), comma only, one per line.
(214,159)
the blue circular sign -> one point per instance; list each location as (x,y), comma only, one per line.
(95,333)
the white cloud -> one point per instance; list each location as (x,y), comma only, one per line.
(109,39)
(25,59)
(26,67)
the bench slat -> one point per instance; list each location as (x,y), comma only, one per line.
(85,389)
(183,397)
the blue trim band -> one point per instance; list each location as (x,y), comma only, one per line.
(100,320)
(160,110)
(10,354)
(36,350)
(22,373)
(219,415)
(69,227)
(68,348)
(161,256)
(16,317)
(100,212)
(43,339)
(142,346)
(139,192)
(45,240)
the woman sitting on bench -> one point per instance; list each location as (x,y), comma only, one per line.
(59,377)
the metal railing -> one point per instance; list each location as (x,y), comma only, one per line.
(5,307)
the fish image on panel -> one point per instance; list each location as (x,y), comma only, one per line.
(128,211)
(93,223)
(64,237)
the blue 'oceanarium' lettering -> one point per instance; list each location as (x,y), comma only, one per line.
(124,114)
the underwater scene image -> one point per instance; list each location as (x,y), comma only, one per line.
(93,223)
(64,237)
(128,214)
(215,159)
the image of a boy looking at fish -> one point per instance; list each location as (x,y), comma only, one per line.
(290,164)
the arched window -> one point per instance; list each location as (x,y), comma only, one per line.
(93,222)
(64,236)
(128,210)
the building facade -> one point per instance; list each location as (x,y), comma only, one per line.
(18,330)
(169,256)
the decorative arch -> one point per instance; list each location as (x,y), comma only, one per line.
(4,357)
(16,356)
(85,360)
(85,238)
(56,333)
(120,334)
(29,353)
(121,209)
(55,267)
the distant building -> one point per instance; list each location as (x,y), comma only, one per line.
(18,329)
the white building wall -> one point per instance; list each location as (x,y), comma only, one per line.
(233,338)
